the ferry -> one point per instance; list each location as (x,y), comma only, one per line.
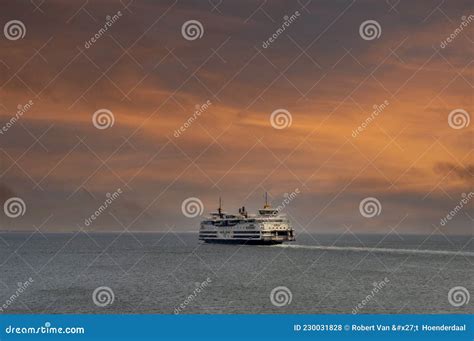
(268,226)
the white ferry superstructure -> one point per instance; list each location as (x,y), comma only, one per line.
(268,226)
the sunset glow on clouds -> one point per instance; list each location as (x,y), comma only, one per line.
(320,70)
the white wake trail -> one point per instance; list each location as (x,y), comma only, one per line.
(379,250)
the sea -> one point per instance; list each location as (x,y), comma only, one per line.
(175,273)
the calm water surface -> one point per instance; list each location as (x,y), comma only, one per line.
(156,273)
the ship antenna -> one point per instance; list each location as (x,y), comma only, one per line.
(220,206)
(266,200)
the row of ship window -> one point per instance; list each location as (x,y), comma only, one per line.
(234,222)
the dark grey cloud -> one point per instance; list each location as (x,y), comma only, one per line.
(245,86)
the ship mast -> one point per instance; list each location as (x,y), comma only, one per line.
(220,207)
(266,201)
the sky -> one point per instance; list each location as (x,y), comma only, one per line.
(382,113)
